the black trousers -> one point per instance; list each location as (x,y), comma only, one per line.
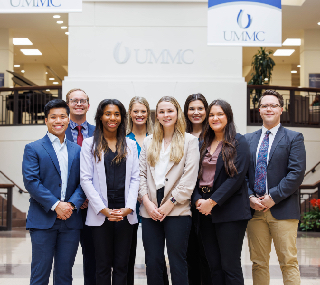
(112,242)
(198,267)
(222,243)
(89,260)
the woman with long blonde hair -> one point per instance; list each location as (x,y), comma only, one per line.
(169,162)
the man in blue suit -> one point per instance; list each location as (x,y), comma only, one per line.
(78,130)
(277,166)
(51,174)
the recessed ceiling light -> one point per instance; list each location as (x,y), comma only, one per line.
(48,90)
(266,79)
(64,27)
(67,33)
(51,78)
(284,52)
(319,23)
(59,22)
(56,16)
(294,71)
(292,42)
(55,82)
(31,51)
(299,65)
(22,42)
(16,65)
(46,72)
(22,71)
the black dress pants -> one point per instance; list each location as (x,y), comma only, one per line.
(222,243)
(112,242)
(89,260)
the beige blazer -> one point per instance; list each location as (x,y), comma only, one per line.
(180,179)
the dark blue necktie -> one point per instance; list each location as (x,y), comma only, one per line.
(261,168)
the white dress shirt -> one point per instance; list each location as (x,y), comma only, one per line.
(161,166)
(272,135)
(62,155)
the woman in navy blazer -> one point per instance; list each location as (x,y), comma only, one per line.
(221,194)
(109,176)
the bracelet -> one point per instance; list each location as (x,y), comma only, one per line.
(211,202)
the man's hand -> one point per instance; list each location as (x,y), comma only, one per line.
(267,201)
(165,209)
(85,204)
(255,203)
(205,206)
(63,210)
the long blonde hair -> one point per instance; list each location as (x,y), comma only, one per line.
(143,101)
(177,143)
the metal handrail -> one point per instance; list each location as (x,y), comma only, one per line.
(14,184)
(273,87)
(22,88)
(313,169)
(8,226)
(310,186)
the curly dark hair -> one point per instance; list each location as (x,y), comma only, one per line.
(228,150)
(100,144)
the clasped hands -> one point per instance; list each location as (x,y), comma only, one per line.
(204,206)
(64,210)
(116,215)
(158,214)
(263,203)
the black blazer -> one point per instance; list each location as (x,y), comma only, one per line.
(230,193)
(285,171)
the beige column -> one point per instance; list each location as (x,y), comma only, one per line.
(6,55)
(35,72)
(309,55)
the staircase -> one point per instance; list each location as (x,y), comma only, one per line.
(18,217)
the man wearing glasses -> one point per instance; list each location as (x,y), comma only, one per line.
(78,130)
(277,166)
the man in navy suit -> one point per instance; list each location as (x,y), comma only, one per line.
(51,174)
(78,130)
(277,166)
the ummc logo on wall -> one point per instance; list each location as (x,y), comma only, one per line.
(40,6)
(142,56)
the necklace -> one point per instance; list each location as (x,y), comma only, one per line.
(166,142)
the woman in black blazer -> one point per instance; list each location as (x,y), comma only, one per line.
(221,194)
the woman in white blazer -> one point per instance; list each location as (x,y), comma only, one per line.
(109,175)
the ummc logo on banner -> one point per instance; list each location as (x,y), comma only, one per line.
(40,6)
(142,56)
(244,23)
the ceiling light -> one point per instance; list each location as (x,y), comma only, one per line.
(266,79)
(292,42)
(319,23)
(46,72)
(67,33)
(59,22)
(47,90)
(22,71)
(51,78)
(284,52)
(294,71)
(31,51)
(55,82)
(22,42)
(299,65)
(64,27)
(16,65)
(56,16)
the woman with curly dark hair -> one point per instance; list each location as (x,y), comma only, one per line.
(109,175)
(221,194)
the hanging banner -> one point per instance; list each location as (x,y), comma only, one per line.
(245,23)
(40,6)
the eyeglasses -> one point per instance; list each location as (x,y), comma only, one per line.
(76,101)
(272,106)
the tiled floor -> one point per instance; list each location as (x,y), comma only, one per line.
(15,259)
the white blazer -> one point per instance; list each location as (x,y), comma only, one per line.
(94,185)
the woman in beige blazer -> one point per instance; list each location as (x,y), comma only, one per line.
(169,163)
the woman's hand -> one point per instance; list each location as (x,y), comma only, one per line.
(205,206)
(165,209)
(125,212)
(151,208)
(112,215)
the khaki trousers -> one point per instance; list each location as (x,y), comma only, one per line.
(262,228)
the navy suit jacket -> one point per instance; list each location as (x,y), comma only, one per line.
(69,136)
(285,171)
(42,179)
(230,193)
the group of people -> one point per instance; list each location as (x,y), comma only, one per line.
(196,185)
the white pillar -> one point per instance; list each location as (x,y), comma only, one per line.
(6,55)
(35,72)
(309,55)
